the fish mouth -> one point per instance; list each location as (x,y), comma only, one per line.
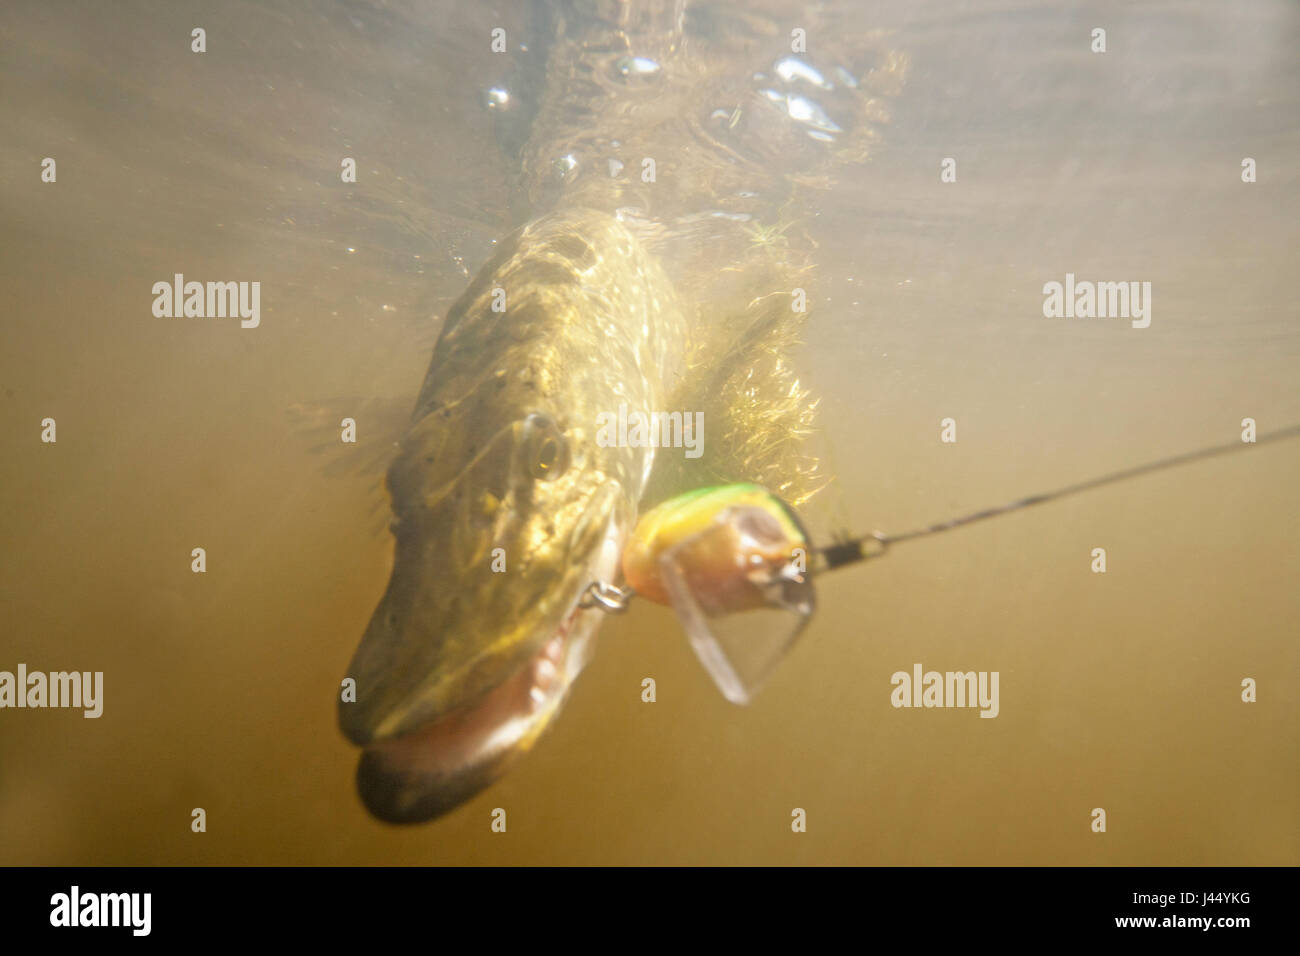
(484,575)
(424,772)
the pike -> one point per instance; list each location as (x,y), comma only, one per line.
(619,294)
(461,667)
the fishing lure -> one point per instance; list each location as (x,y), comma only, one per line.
(724,556)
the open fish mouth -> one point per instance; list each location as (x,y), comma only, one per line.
(486,568)
(424,772)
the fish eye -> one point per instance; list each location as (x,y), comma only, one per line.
(548,456)
(548,452)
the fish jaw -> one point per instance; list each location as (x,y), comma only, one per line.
(428,771)
(449,632)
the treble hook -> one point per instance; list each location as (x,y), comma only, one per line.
(610,598)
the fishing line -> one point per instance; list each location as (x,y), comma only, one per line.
(875,544)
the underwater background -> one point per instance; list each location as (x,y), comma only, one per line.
(1119,690)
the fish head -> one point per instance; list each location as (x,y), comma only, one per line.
(493,552)
(480,631)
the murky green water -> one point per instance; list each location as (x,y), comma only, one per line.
(1119,691)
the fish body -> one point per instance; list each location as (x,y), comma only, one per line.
(619,291)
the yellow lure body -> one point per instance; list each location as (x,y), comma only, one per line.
(722,539)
